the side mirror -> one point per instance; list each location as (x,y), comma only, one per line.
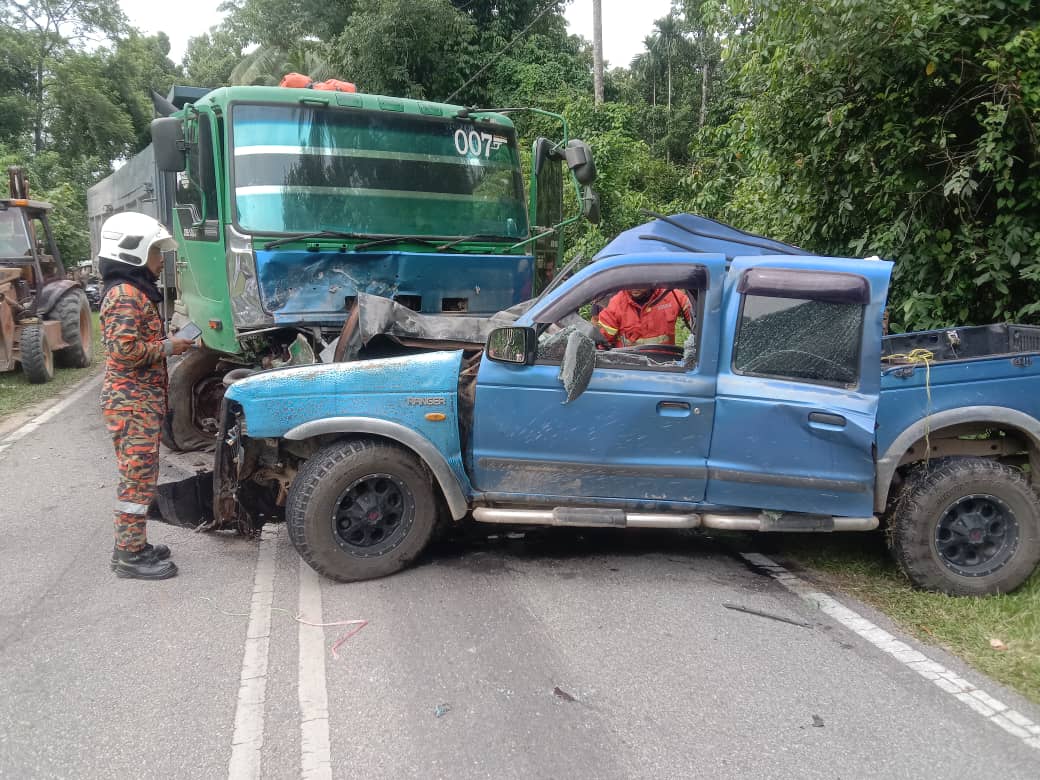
(590,205)
(579,160)
(168,144)
(579,358)
(512,345)
(540,152)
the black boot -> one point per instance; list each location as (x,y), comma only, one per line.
(142,565)
(158,551)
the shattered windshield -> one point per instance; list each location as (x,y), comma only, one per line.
(14,241)
(301,169)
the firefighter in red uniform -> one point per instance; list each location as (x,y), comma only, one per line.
(643,316)
(133,396)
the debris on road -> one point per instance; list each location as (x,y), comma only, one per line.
(356,624)
(559,693)
(760,613)
(187,503)
(817,721)
(441,710)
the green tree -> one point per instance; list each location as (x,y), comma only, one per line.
(210,58)
(54,27)
(412,48)
(137,65)
(922,147)
(17,81)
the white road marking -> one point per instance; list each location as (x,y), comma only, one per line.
(315,750)
(248,737)
(992,709)
(40,419)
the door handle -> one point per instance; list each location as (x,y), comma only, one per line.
(673,409)
(828,419)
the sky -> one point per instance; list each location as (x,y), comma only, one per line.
(625,23)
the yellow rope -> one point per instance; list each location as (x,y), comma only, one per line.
(921,356)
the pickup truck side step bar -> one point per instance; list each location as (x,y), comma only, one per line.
(595,517)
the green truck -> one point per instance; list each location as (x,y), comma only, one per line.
(324,226)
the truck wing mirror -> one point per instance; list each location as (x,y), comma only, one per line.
(168,143)
(512,345)
(579,160)
(579,358)
(590,205)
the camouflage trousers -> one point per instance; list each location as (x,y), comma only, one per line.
(135,433)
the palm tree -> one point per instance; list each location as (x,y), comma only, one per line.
(266,65)
(645,65)
(670,41)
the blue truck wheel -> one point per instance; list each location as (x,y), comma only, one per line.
(966,527)
(361,509)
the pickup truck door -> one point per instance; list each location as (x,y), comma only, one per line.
(636,433)
(798,383)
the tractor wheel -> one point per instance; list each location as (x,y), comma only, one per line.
(195,393)
(361,509)
(77,328)
(36,356)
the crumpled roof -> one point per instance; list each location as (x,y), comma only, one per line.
(692,233)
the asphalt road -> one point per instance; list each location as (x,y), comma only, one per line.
(553,655)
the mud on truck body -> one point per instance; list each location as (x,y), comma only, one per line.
(295,208)
(784,410)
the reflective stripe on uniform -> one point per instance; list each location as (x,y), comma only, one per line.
(655,340)
(130,508)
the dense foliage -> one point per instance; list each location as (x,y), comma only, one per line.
(902,128)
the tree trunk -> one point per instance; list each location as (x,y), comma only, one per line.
(38,120)
(669,85)
(597,49)
(704,94)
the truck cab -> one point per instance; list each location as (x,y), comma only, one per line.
(292,203)
(763,416)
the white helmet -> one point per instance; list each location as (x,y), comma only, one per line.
(127,238)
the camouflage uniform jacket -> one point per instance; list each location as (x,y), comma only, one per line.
(135,366)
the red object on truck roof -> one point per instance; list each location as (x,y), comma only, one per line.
(300,81)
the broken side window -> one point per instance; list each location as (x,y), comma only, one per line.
(799,339)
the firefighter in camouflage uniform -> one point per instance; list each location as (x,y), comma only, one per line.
(133,396)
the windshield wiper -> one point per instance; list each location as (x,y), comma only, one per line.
(474,237)
(393,240)
(318,234)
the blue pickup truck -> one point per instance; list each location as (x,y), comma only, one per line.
(784,408)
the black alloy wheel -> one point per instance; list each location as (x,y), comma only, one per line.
(373,515)
(977,535)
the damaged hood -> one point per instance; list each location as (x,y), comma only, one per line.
(400,389)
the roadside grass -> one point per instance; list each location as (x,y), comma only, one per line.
(16,393)
(859,565)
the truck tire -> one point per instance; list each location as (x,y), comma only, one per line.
(180,431)
(966,527)
(36,356)
(77,329)
(361,509)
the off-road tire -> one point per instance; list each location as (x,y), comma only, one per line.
(36,356)
(179,431)
(323,482)
(77,329)
(930,492)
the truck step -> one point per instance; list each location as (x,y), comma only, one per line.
(598,517)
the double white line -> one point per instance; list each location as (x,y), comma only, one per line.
(248,739)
